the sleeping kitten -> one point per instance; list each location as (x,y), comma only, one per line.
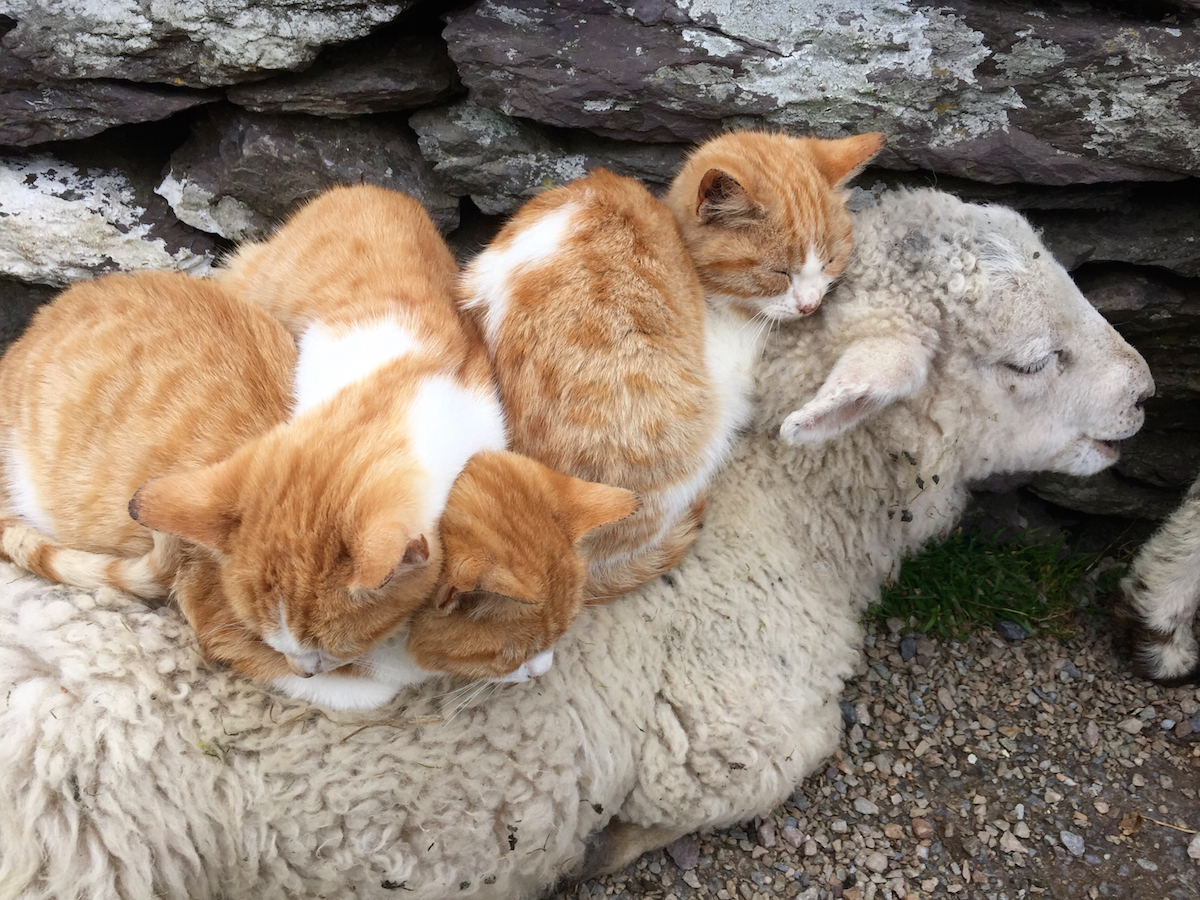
(130,377)
(594,321)
(764,218)
(168,378)
(362,277)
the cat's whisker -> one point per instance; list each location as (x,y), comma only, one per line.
(451,697)
(479,686)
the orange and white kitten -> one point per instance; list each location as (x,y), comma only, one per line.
(594,320)
(764,218)
(297,548)
(363,279)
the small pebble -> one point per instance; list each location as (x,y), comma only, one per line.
(684,852)
(908,648)
(876,862)
(766,834)
(1073,842)
(1011,631)
(1132,726)
(1194,847)
(849,717)
(922,828)
(865,806)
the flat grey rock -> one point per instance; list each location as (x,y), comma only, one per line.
(500,161)
(395,70)
(1159,226)
(34,110)
(195,44)
(240,172)
(61,222)
(985,90)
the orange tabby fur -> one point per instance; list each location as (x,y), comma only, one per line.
(753,206)
(596,333)
(357,256)
(118,380)
(482,623)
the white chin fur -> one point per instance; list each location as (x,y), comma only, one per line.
(533,668)
(1085,457)
(392,670)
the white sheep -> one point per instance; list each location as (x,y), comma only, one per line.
(955,348)
(1160,597)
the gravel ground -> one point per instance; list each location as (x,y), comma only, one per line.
(987,768)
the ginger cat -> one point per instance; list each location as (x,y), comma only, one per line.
(168,390)
(361,276)
(764,218)
(594,320)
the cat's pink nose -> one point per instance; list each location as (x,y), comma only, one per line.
(807,300)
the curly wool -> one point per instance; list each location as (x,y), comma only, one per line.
(131,768)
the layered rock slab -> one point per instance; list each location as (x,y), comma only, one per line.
(990,91)
(34,110)
(240,173)
(500,161)
(383,73)
(62,221)
(199,43)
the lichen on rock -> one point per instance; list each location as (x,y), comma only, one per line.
(59,224)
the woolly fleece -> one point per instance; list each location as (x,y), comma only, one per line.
(131,768)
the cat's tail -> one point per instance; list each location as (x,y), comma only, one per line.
(148,576)
(610,582)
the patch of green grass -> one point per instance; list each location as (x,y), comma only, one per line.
(972,580)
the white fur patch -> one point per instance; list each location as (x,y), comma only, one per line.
(310,659)
(804,294)
(531,668)
(329,361)
(732,347)
(489,275)
(337,691)
(447,425)
(810,283)
(391,670)
(23,495)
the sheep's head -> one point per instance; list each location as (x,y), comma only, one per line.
(1012,360)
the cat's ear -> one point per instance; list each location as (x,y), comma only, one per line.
(841,159)
(721,200)
(476,603)
(198,505)
(385,551)
(590,505)
(872,373)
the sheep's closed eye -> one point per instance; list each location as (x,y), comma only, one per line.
(1031,368)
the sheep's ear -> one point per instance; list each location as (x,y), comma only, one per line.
(871,374)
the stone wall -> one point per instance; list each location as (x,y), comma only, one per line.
(145,140)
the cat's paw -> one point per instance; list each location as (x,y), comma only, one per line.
(533,668)
(334,691)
